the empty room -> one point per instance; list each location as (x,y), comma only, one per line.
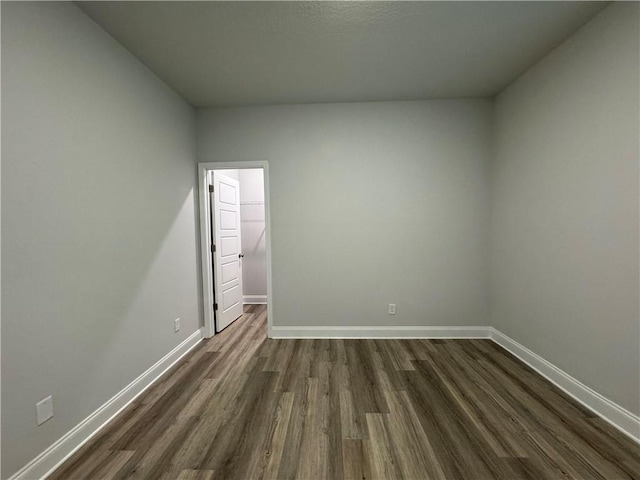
(320,240)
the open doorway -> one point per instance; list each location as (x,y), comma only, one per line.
(235,242)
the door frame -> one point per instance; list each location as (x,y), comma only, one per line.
(206,260)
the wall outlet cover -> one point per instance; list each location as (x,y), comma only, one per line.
(44,410)
(176,325)
(392,309)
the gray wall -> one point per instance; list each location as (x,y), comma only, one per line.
(371,204)
(252,219)
(98,221)
(565,207)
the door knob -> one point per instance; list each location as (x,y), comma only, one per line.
(241,255)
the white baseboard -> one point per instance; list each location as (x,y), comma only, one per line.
(56,454)
(254,299)
(380,332)
(620,418)
(625,421)
(45,463)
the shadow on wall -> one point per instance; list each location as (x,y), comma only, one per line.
(111,285)
(154,282)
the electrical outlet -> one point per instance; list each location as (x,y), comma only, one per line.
(392,309)
(176,325)
(44,410)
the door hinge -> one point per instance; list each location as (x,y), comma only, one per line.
(213,248)
(215,306)
(210,188)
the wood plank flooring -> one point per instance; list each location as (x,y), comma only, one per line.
(242,406)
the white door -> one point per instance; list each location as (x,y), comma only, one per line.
(227,256)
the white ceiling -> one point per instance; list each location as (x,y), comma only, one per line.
(249,53)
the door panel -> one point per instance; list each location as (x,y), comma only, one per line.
(230,272)
(230,298)
(228,247)
(227,258)
(227,194)
(228,220)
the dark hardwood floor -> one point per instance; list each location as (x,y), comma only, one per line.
(241,406)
